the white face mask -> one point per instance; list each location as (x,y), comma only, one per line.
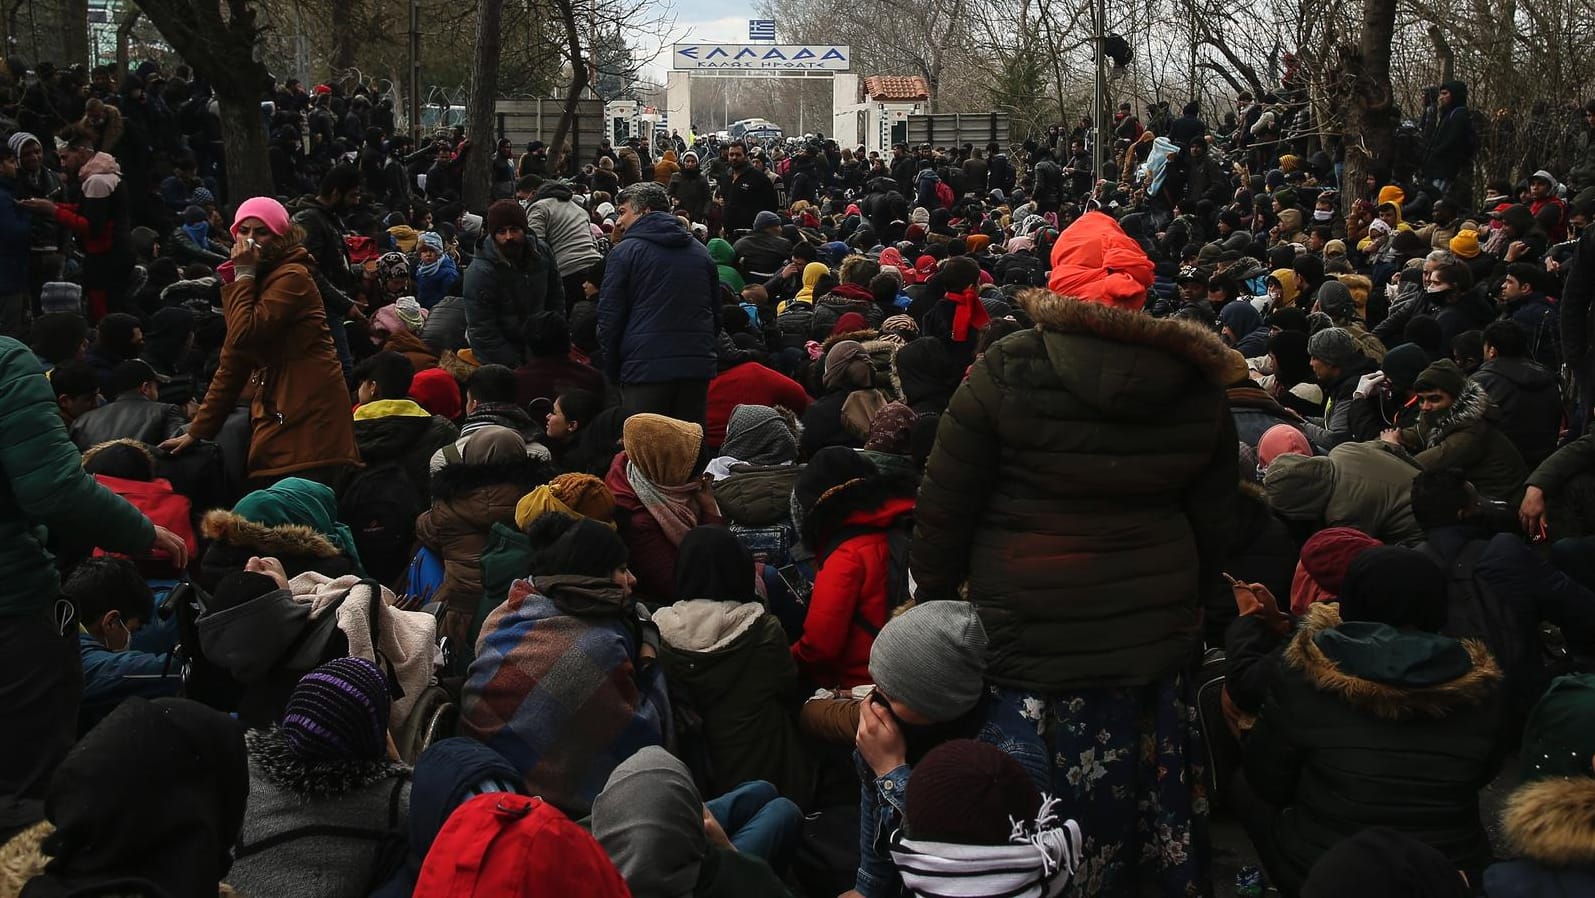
(1323,214)
(1436,288)
(127,642)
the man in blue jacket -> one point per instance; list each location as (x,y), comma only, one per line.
(659,310)
(16,301)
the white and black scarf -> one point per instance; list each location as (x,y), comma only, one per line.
(1038,862)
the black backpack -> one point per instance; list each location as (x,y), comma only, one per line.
(380,505)
(898,536)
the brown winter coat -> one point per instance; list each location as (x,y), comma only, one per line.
(467,500)
(278,342)
(1082,484)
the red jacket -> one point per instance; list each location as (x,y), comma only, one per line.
(652,556)
(749,383)
(851,584)
(164,507)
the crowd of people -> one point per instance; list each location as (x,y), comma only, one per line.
(802,521)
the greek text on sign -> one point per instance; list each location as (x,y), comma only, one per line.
(761,57)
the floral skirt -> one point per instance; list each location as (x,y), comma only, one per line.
(1125,762)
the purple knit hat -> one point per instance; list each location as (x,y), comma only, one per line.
(339,712)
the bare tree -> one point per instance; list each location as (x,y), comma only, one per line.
(217,38)
(1370,123)
(479,107)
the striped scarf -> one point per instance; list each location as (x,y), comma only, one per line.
(1039,862)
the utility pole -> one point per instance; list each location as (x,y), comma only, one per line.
(415,70)
(1099,15)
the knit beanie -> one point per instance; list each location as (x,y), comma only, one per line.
(758,435)
(438,392)
(1465,245)
(903,324)
(504,214)
(890,430)
(339,712)
(1559,738)
(410,313)
(1334,346)
(572,495)
(1397,586)
(965,792)
(932,658)
(664,449)
(271,213)
(1281,439)
(432,240)
(1444,376)
(846,365)
(766,219)
(1403,363)
(193,215)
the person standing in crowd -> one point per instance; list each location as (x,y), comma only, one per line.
(278,343)
(99,217)
(513,278)
(321,217)
(16,225)
(749,191)
(46,489)
(659,311)
(557,219)
(1092,602)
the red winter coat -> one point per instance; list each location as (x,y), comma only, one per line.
(749,383)
(851,584)
(163,506)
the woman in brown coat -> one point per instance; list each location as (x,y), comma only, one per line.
(278,347)
(468,498)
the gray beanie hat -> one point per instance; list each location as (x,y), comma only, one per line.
(1334,346)
(649,818)
(932,658)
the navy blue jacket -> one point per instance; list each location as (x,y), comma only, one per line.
(16,225)
(659,307)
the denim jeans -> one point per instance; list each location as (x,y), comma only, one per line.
(760,823)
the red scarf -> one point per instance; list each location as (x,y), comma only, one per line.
(971,313)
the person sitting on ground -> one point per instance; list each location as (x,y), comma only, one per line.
(959,317)
(1363,485)
(855,522)
(435,271)
(327,798)
(1546,827)
(294,521)
(566,684)
(728,656)
(1373,719)
(447,774)
(847,369)
(127,468)
(1459,428)
(566,430)
(659,497)
(390,427)
(974,823)
(549,369)
(651,820)
(396,327)
(468,498)
(152,798)
(745,379)
(113,602)
(1339,364)
(1526,393)
(134,413)
(490,402)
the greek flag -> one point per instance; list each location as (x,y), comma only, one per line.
(761,29)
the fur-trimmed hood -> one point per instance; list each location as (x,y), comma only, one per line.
(1202,348)
(1473,685)
(96,449)
(458,480)
(297,540)
(1469,411)
(23,858)
(878,499)
(1552,822)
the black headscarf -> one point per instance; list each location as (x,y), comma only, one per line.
(153,796)
(1396,586)
(1292,365)
(714,564)
(115,335)
(927,374)
(1382,863)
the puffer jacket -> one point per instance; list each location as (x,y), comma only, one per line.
(45,491)
(565,227)
(1086,464)
(467,500)
(847,529)
(500,297)
(692,192)
(1365,725)
(1468,436)
(1530,401)
(1367,486)
(401,432)
(829,308)
(278,343)
(757,495)
(732,660)
(659,307)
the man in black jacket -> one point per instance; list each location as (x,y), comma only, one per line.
(1526,392)
(133,413)
(747,192)
(320,216)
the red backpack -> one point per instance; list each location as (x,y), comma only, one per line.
(944,194)
(502,845)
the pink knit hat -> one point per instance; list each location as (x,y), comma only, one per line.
(1281,439)
(269,211)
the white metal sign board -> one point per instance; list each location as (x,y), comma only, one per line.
(761,57)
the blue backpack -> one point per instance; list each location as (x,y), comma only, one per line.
(423,579)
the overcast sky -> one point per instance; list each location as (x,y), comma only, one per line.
(698,21)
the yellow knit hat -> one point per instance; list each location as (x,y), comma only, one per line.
(1465,245)
(572,495)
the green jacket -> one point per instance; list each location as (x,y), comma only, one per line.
(1468,436)
(1564,464)
(45,488)
(506,557)
(1082,483)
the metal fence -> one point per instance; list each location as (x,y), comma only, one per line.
(957,128)
(523,121)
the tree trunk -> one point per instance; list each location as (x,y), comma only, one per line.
(1370,124)
(479,106)
(1442,53)
(124,33)
(244,146)
(75,33)
(343,36)
(573,91)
